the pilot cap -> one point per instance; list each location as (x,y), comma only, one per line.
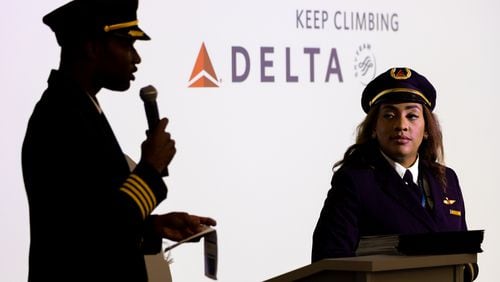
(398,85)
(80,19)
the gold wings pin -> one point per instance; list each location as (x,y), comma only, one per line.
(448,202)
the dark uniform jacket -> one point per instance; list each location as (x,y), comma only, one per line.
(372,199)
(89,215)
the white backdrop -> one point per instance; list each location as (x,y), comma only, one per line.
(257,155)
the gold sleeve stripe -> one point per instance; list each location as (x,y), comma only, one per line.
(144,196)
(136,200)
(472,272)
(146,187)
(138,194)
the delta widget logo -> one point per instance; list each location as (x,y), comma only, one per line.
(203,74)
(365,66)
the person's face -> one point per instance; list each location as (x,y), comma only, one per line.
(400,129)
(117,63)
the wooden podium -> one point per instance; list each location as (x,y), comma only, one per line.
(383,268)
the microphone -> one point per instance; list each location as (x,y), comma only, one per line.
(148,95)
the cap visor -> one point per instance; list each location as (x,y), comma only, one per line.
(132,33)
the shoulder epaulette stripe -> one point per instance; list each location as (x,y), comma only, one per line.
(146,187)
(136,200)
(143,194)
(133,189)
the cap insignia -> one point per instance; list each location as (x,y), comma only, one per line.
(400,73)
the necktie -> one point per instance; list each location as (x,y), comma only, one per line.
(414,188)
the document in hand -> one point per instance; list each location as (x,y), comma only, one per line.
(433,243)
(210,249)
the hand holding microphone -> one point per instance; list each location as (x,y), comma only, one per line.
(159,148)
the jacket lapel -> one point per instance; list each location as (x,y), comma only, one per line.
(105,144)
(438,195)
(392,184)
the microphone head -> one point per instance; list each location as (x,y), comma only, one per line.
(148,93)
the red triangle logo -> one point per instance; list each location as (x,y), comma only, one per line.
(203,63)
